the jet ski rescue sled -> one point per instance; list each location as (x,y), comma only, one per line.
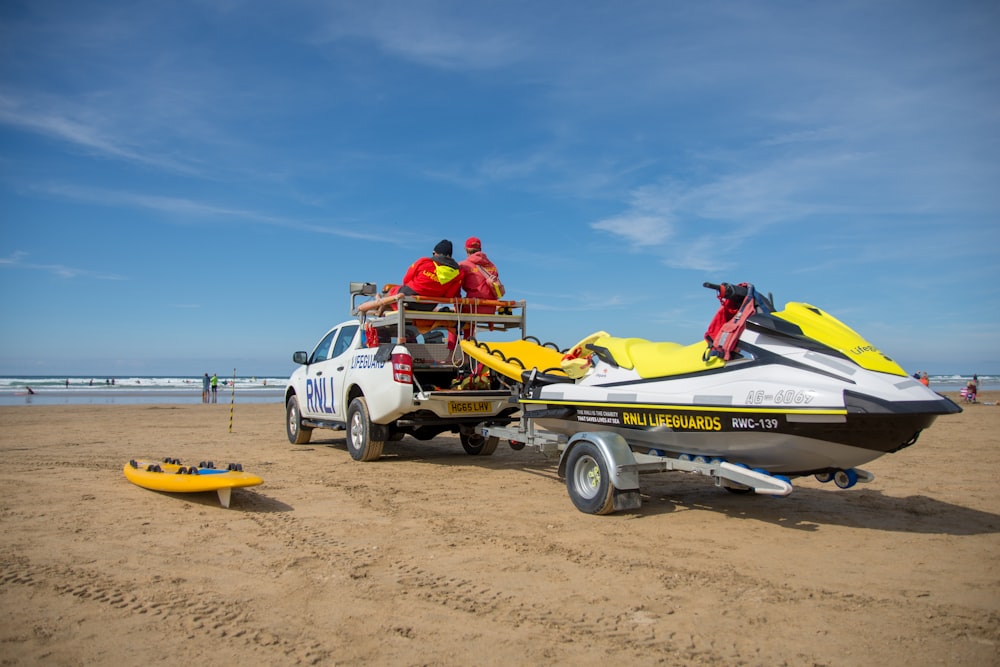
(767,396)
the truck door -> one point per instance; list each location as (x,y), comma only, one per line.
(327,367)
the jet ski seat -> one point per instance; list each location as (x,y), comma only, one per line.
(618,351)
(652,360)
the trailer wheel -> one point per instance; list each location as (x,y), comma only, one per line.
(297,433)
(360,443)
(478,445)
(588,480)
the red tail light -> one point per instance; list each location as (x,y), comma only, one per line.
(402,368)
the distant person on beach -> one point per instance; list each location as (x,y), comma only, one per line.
(215,388)
(30,390)
(971,389)
(204,388)
(924,380)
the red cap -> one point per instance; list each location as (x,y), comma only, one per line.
(472,243)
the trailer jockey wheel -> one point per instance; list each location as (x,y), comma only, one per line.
(475,444)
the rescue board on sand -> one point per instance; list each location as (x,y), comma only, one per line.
(171,476)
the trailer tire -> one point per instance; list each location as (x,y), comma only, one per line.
(588,480)
(475,444)
(297,433)
(360,431)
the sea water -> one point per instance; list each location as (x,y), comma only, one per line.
(50,390)
(77,390)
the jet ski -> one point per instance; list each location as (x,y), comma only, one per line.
(785,393)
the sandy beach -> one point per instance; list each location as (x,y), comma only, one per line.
(432,557)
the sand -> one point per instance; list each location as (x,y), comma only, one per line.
(433,557)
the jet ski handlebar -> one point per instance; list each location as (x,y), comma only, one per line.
(727,291)
(736,293)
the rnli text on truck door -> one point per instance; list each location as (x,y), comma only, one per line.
(328,365)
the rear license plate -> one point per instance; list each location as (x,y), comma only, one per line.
(456,408)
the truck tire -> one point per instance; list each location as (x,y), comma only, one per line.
(297,433)
(588,480)
(478,445)
(360,443)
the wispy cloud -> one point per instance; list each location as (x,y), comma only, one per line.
(638,227)
(190,211)
(18,260)
(52,118)
(427,33)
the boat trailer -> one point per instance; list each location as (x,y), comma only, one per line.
(602,471)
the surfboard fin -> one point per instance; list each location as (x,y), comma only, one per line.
(224,496)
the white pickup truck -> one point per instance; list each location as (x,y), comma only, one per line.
(390,372)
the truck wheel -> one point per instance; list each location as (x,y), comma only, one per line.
(478,445)
(588,480)
(297,433)
(360,443)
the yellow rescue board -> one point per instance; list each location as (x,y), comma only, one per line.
(514,357)
(176,478)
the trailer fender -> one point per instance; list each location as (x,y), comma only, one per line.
(616,452)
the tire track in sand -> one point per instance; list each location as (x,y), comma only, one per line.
(207,617)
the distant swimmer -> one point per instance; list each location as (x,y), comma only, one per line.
(30,390)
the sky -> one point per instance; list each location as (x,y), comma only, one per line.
(189,186)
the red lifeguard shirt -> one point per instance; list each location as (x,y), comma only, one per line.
(437,277)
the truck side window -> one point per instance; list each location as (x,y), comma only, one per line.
(344,340)
(322,351)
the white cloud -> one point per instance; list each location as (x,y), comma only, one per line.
(637,228)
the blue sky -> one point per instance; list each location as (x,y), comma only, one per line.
(189,186)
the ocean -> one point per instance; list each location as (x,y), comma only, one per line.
(76,390)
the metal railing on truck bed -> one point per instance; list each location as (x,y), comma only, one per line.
(424,314)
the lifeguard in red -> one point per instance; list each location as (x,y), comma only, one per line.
(481,279)
(437,276)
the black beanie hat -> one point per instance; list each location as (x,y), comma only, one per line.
(443,248)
